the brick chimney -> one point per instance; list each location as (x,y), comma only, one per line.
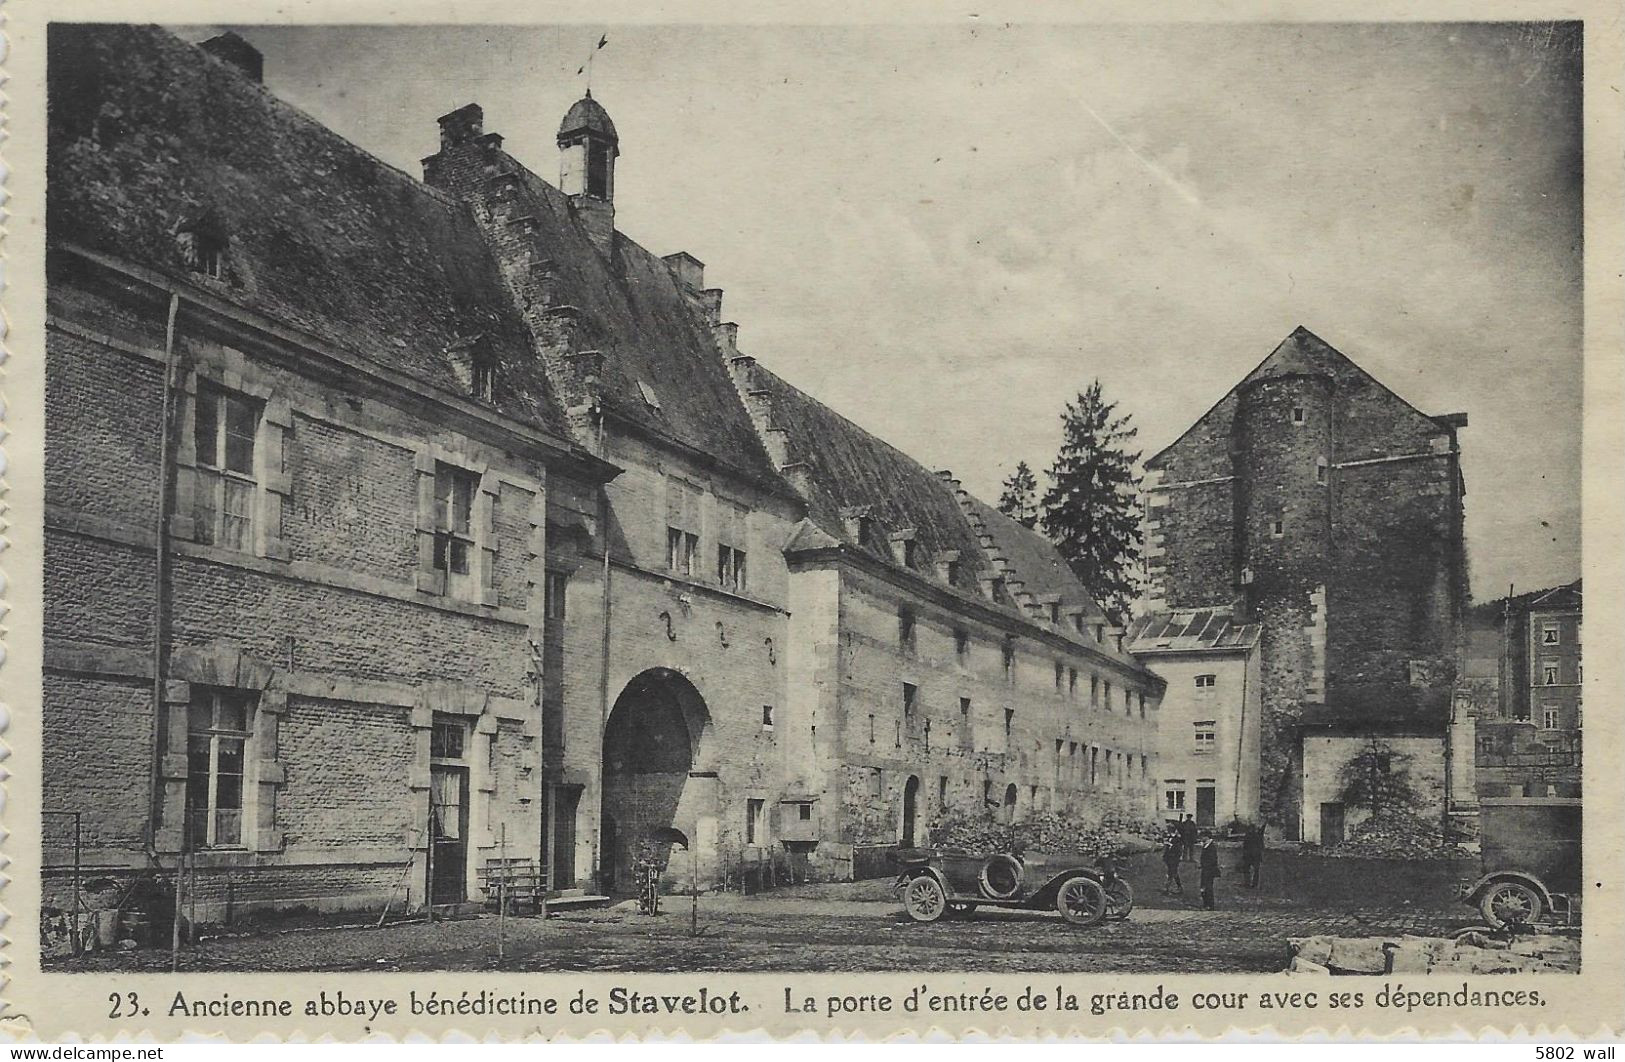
(462,125)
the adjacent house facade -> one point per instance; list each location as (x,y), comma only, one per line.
(1209,733)
(1528,729)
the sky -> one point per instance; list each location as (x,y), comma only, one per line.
(946,231)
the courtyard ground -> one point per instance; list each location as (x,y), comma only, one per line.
(860,926)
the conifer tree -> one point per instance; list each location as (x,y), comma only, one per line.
(1020,498)
(1091,510)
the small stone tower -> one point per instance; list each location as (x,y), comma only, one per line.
(588,147)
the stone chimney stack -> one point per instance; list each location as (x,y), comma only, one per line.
(461,126)
(230,48)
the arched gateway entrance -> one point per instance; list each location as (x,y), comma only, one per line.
(655,777)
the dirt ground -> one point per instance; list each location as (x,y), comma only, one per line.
(860,926)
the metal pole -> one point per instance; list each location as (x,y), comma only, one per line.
(73,922)
(693,889)
(502,888)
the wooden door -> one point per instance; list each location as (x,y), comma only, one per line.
(1206,803)
(1331,824)
(448,833)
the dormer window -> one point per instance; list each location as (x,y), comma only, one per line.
(910,552)
(203,245)
(482,377)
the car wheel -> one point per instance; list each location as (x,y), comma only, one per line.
(1119,899)
(924,899)
(1081,901)
(1510,903)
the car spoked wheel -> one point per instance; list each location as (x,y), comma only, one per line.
(1081,901)
(924,899)
(1119,899)
(1510,903)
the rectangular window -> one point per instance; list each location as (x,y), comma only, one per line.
(1548,673)
(1206,682)
(553,584)
(804,812)
(1277,529)
(1173,796)
(942,790)
(1206,738)
(1060,675)
(225,427)
(1320,470)
(447,738)
(730,568)
(482,377)
(1551,717)
(1297,414)
(1128,702)
(871,728)
(911,699)
(683,528)
(1108,696)
(755,821)
(681,547)
(926,735)
(1072,682)
(1550,636)
(905,631)
(1094,691)
(961,644)
(964,707)
(732,529)
(217,728)
(910,553)
(950,572)
(767,717)
(1009,663)
(1009,720)
(454,490)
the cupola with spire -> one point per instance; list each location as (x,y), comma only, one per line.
(588,147)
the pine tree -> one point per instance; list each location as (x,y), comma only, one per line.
(1092,508)
(1020,498)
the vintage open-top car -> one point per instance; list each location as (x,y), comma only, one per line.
(935,882)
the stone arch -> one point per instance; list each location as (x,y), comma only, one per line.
(908,835)
(657,775)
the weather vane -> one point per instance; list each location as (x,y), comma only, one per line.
(586,67)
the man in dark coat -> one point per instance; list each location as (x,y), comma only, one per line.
(1173,849)
(1187,833)
(1209,870)
(1252,854)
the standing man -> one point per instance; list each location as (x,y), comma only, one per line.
(1173,848)
(1209,870)
(1252,854)
(1187,833)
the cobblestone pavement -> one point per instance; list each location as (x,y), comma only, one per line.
(858,926)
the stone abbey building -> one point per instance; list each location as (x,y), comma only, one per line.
(395,526)
(1316,503)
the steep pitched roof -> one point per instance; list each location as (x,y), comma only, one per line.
(1302,353)
(1491,613)
(850,469)
(654,342)
(150,136)
(1035,559)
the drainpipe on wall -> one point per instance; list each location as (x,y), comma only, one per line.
(160,582)
(603,650)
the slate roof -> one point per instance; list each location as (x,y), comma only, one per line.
(148,134)
(633,312)
(1192,630)
(587,113)
(1300,353)
(848,468)
(1037,562)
